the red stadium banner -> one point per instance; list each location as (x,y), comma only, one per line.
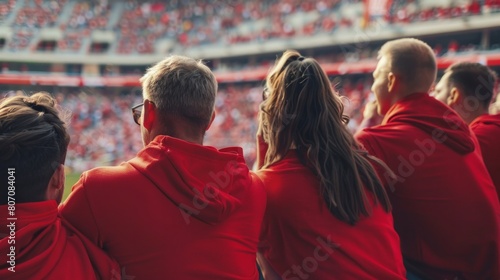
(251,75)
(40,79)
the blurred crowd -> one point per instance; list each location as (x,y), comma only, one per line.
(139,24)
(101,128)
(103,132)
(101,125)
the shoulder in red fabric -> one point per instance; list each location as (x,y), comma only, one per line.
(43,248)
(178,209)
(442,193)
(487,130)
(302,239)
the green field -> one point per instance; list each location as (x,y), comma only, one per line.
(71,179)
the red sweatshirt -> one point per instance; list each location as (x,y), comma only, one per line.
(45,248)
(445,206)
(176,211)
(487,130)
(301,239)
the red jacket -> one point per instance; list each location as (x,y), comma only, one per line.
(45,248)
(176,211)
(301,239)
(487,130)
(445,206)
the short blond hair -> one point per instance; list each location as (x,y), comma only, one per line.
(181,86)
(413,60)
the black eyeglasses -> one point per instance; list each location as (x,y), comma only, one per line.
(136,113)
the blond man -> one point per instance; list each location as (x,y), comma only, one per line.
(178,210)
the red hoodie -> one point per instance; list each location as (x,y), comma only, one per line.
(487,130)
(176,211)
(301,239)
(445,206)
(46,248)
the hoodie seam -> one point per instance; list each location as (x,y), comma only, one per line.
(92,211)
(166,194)
(232,155)
(167,157)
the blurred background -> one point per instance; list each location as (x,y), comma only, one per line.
(91,54)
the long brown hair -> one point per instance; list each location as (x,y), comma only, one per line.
(303,111)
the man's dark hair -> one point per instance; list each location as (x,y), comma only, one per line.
(474,80)
(33,142)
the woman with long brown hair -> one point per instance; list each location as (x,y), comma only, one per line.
(328,216)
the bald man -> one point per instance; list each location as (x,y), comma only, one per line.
(445,206)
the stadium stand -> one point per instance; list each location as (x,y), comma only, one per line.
(101,129)
(139,25)
(90,54)
(6,8)
(38,14)
(89,14)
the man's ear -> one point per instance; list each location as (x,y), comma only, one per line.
(211,120)
(391,81)
(148,114)
(55,189)
(454,97)
(58,177)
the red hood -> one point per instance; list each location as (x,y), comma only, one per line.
(43,246)
(204,182)
(31,218)
(428,114)
(486,119)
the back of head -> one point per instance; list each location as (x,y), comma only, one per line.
(33,141)
(300,94)
(413,61)
(475,81)
(303,111)
(181,87)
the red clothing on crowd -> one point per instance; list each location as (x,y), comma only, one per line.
(487,130)
(178,210)
(46,248)
(445,206)
(301,239)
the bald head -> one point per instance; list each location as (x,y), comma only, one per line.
(413,61)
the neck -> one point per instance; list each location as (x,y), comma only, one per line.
(410,93)
(180,131)
(470,116)
(404,92)
(188,138)
(466,113)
